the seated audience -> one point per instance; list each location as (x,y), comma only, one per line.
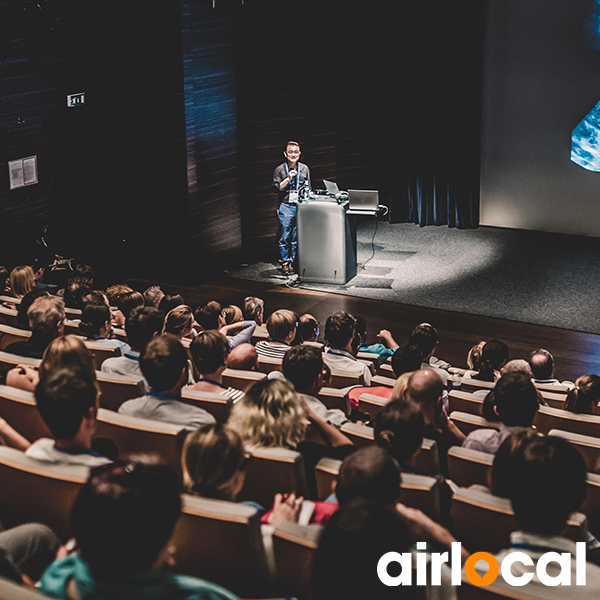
(209,352)
(125,303)
(272,415)
(168,302)
(153,295)
(232,314)
(493,358)
(303,366)
(474,357)
(254,309)
(542,367)
(338,356)
(46,321)
(517,365)
(180,322)
(67,400)
(515,403)
(425,337)
(23,307)
(164,365)
(123,519)
(210,316)
(384,350)
(22,281)
(96,325)
(114,294)
(281,326)
(243,357)
(407,359)
(308,329)
(76,289)
(545,479)
(95,297)
(213,462)
(141,326)
(425,388)
(584,397)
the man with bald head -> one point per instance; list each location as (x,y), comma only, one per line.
(425,389)
(244,357)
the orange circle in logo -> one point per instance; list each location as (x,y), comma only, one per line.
(474,577)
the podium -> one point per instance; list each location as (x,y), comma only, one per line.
(326,251)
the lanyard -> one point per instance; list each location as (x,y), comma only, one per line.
(287,172)
(212,381)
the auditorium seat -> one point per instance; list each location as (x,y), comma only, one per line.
(272,471)
(548,418)
(334,398)
(133,435)
(8,316)
(216,404)
(116,389)
(240,379)
(467,466)
(221,541)
(10,590)
(294,549)
(359,435)
(384,381)
(19,409)
(464,402)
(10,299)
(467,422)
(100,352)
(35,491)
(266,365)
(326,472)
(426,460)
(474,385)
(343,380)
(369,358)
(9,334)
(385,370)
(589,447)
(8,361)
(260,333)
(484,522)
(591,504)
(371,404)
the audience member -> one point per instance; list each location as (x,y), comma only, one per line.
(22,281)
(168,303)
(517,365)
(542,367)
(383,350)
(281,326)
(95,297)
(46,321)
(425,388)
(254,309)
(141,326)
(116,292)
(515,403)
(474,357)
(309,329)
(584,397)
(232,314)
(213,462)
(96,325)
(67,400)
(493,358)
(210,316)
(164,365)
(545,479)
(76,289)
(425,337)
(180,322)
(303,366)
(243,357)
(123,519)
(407,359)
(338,356)
(209,352)
(153,295)
(126,303)
(23,307)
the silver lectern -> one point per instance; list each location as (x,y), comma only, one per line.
(326,253)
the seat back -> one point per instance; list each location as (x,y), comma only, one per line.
(589,447)
(467,422)
(385,370)
(426,460)
(326,472)
(100,352)
(369,357)
(10,590)
(19,409)
(343,380)
(360,435)
(133,435)
(8,316)
(591,505)
(473,385)
(422,492)
(34,491)
(9,334)
(334,398)
(221,541)
(464,402)
(116,389)
(294,548)
(384,381)
(548,418)
(272,471)
(9,361)
(216,404)
(266,365)
(468,467)
(371,404)
(241,380)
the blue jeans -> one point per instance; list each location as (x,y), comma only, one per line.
(288,241)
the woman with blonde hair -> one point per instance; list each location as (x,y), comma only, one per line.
(22,280)
(584,397)
(180,322)
(232,314)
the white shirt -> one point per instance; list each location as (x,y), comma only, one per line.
(342,362)
(45,450)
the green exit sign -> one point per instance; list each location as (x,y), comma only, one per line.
(76,99)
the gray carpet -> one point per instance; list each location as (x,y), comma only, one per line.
(534,277)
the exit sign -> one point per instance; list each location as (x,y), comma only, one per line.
(76,99)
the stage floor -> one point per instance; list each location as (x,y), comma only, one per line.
(531,277)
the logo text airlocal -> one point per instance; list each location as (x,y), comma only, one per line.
(504,569)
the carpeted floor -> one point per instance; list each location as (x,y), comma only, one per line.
(534,277)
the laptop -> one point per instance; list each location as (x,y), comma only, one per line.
(331,187)
(364,200)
